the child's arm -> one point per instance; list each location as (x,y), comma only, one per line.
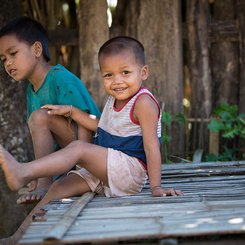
(146,112)
(80,117)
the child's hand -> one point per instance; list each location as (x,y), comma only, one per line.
(161,192)
(61,110)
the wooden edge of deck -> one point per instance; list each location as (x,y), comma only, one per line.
(13,240)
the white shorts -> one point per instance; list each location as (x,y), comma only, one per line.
(126,176)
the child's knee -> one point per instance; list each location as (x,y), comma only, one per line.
(77,144)
(38,117)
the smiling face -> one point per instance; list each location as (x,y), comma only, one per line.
(19,58)
(122,74)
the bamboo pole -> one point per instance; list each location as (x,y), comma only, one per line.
(59,230)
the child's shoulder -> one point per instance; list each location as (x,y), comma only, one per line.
(145,98)
(57,69)
(144,90)
(144,93)
(61,74)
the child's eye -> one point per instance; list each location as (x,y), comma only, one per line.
(107,75)
(125,72)
(13,53)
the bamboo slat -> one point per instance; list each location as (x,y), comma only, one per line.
(59,229)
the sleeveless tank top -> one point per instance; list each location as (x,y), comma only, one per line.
(118,129)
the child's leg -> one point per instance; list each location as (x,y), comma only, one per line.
(45,130)
(68,186)
(89,156)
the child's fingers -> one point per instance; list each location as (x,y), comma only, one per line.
(49,107)
(179,193)
(57,109)
(171,192)
(45,106)
(174,192)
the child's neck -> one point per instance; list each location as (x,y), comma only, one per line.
(39,75)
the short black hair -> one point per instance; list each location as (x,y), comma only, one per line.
(27,30)
(119,43)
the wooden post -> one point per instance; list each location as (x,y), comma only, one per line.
(224,58)
(241,24)
(157,24)
(93,32)
(198,65)
(214,143)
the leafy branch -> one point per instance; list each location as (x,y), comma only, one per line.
(231,125)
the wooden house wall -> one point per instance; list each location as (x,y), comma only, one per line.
(195,50)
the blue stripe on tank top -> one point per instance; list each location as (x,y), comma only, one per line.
(131,145)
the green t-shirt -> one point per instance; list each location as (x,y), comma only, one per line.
(61,87)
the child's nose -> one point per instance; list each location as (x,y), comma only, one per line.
(118,79)
(9,62)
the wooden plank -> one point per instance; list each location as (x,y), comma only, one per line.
(58,231)
(204,165)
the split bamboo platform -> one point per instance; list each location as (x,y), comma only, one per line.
(212,210)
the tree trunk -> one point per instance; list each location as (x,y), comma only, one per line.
(14,134)
(93,32)
(224,58)
(119,19)
(162,40)
(198,65)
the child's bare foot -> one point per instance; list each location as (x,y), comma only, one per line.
(32,185)
(31,197)
(11,169)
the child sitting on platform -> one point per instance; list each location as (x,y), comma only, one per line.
(25,56)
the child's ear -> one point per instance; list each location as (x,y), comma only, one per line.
(144,72)
(38,49)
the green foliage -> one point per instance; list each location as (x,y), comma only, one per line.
(227,155)
(180,118)
(228,122)
(231,125)
(167,118)
(166,121)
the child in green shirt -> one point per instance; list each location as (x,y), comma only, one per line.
(25,56)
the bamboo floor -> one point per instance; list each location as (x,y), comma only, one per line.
(213,204)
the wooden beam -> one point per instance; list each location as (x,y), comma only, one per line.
(59,230)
